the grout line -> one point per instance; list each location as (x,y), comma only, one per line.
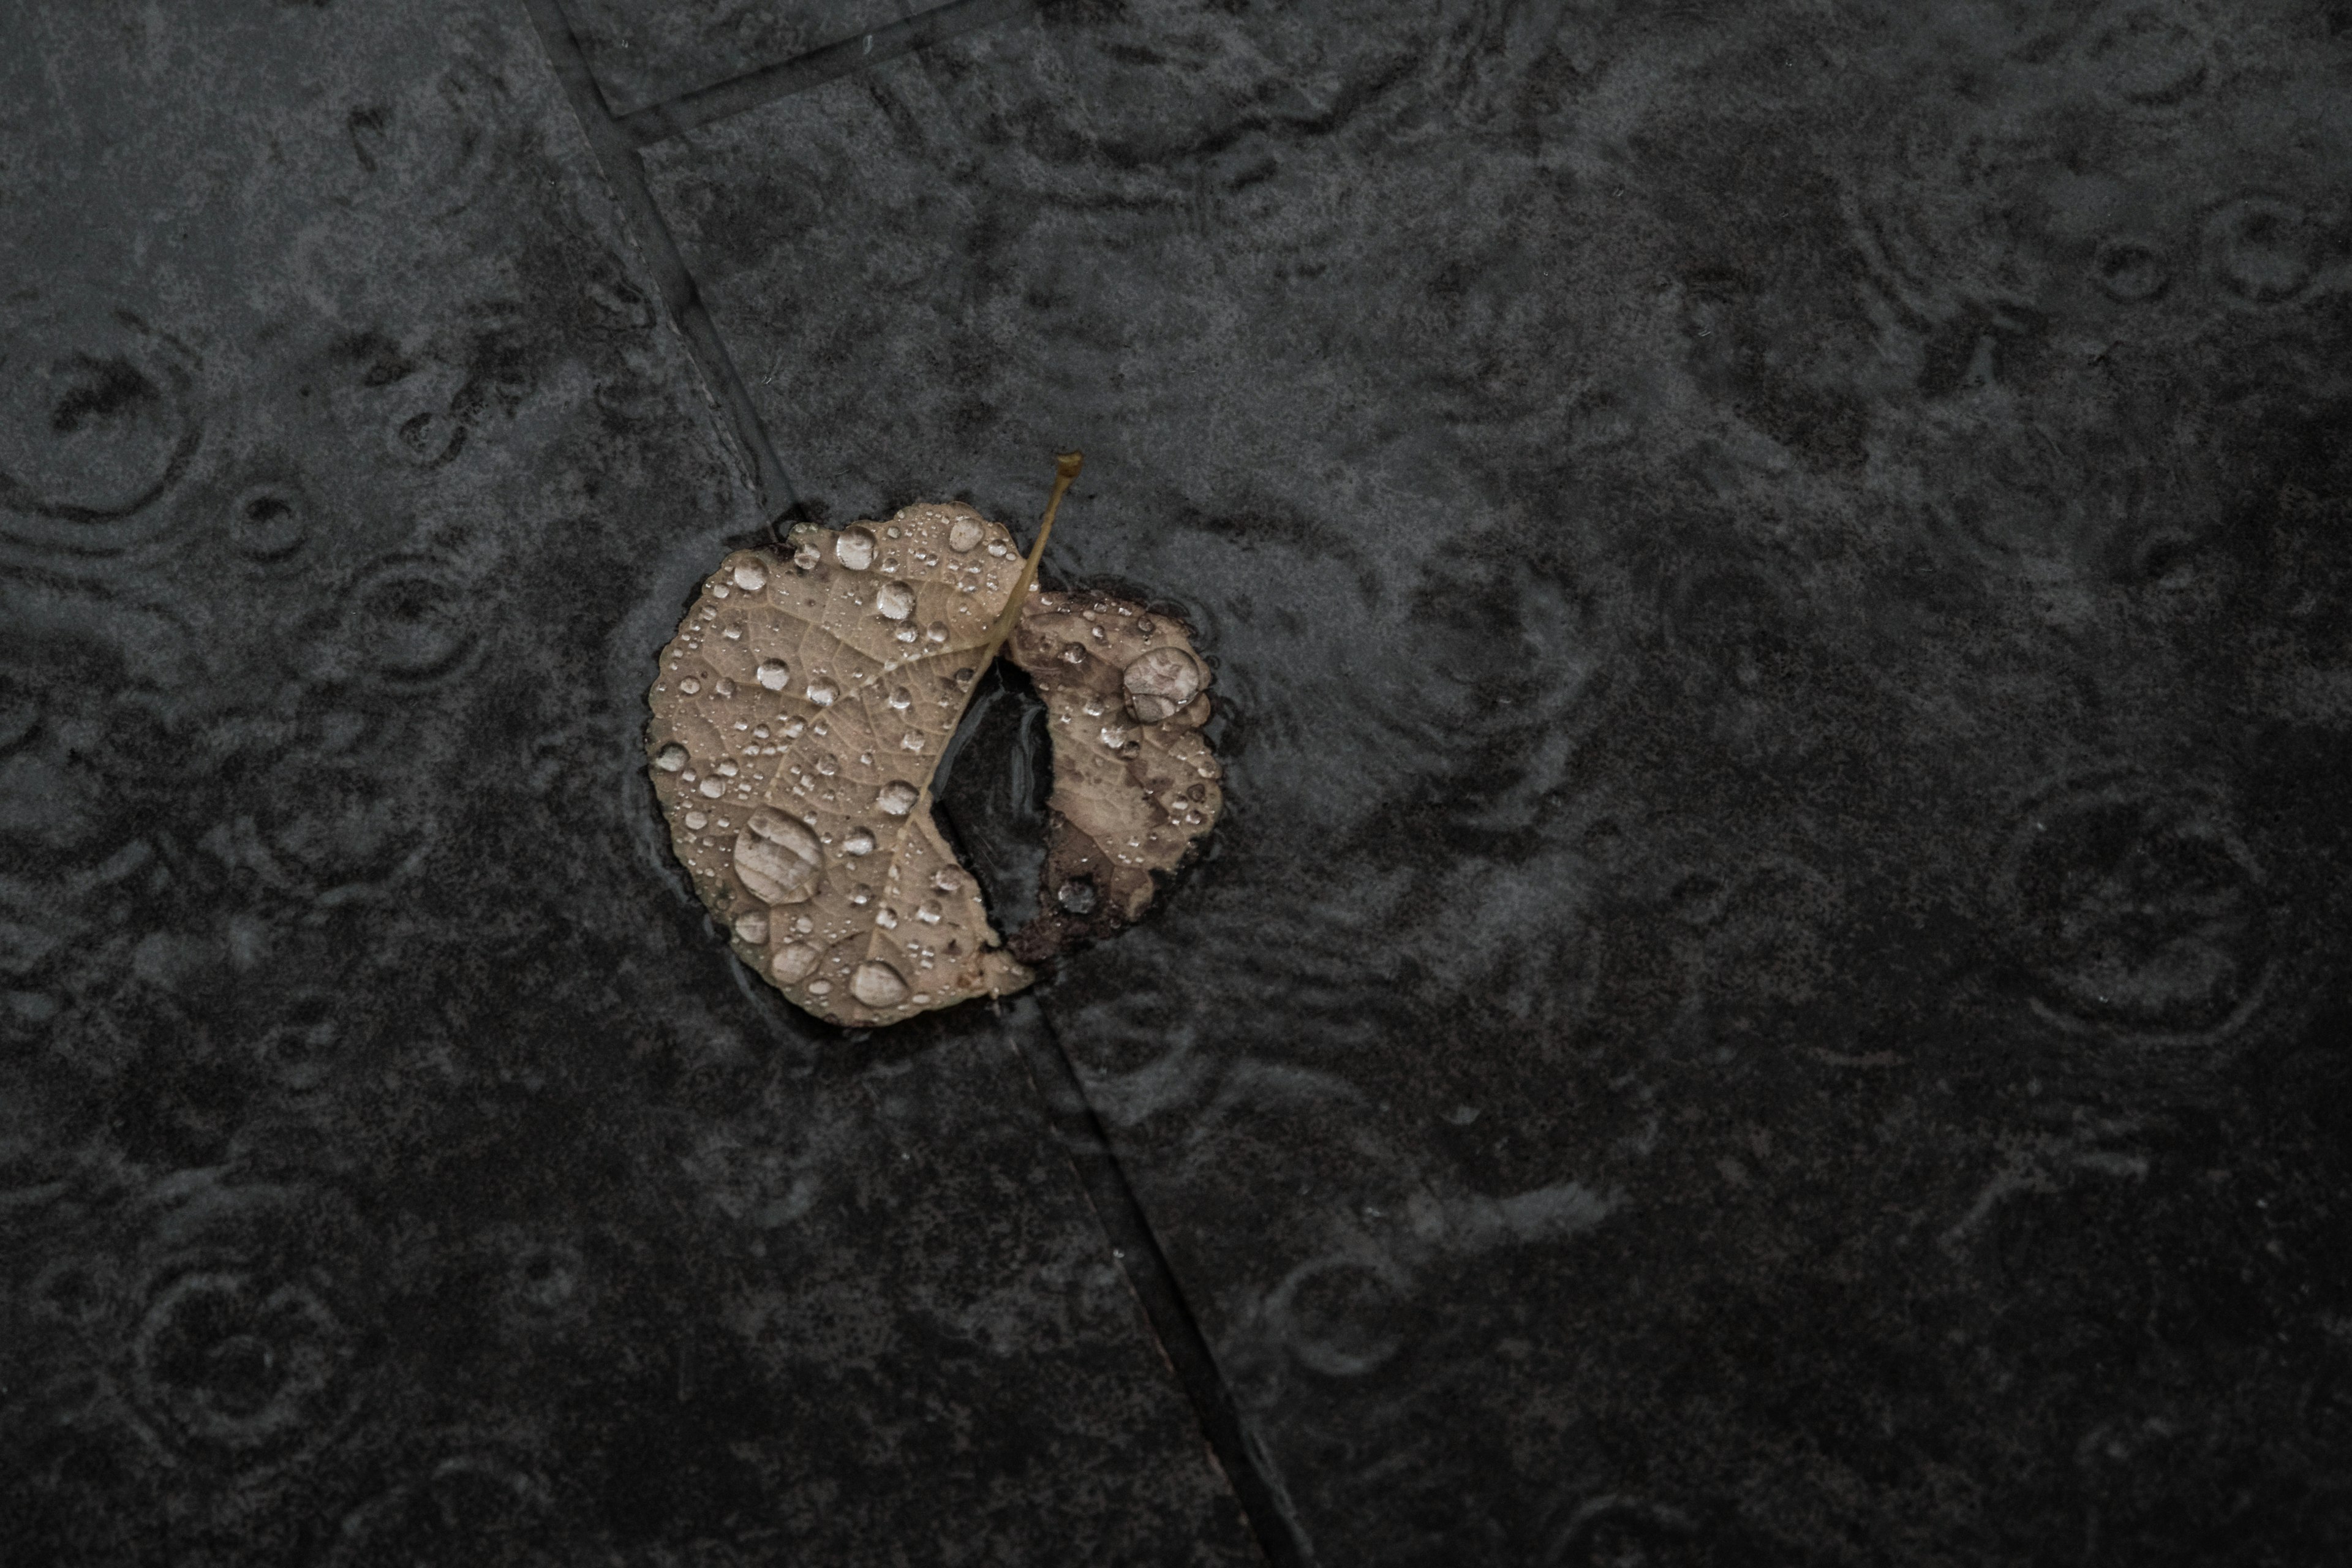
(614,141)
(1264,1505)
(616,155)
(830,63)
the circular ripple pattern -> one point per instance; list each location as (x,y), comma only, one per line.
(2264,250)
(2139,910)
(407,623)
(240,1362)
(245,1354)
(269,522)
(472,1509)
(95,424)
(1342,1316)
(1627,1533)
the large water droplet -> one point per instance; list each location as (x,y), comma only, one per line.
(896,600)
(806,558)
(793,961)
(877,984)
(897,798)
(937,632)
(712,788)
(854,548)
(929,913)
(1160,682)
(772,674)
(821,693)
(689,686)
(965,532)
(902,699)
(670,758)
(751,576)
(753,926)
(859,842)
(777,859)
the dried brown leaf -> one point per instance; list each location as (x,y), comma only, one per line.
(799,716)
(1135,785)
(803,706)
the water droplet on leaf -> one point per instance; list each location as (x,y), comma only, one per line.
(1161,681)
(777,859)
(877,984)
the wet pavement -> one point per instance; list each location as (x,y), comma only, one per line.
(1770,988)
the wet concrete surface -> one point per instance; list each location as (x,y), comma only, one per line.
(1771,988)
(396,1169)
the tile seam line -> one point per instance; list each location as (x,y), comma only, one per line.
(1173,1323)
(1077,1129)
(615,146)
(827,63)
(616,159)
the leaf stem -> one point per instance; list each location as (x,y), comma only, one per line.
(1066,470)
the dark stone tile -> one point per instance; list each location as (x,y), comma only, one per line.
(645,52)
(393,1166)
(1772,988)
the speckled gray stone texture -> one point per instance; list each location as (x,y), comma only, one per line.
(393,1166)
(645,52)
(1772,989)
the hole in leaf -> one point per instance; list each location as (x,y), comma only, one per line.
(990,793)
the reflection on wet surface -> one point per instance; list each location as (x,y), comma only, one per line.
(1737,632)
(990,792)
(1769,986)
